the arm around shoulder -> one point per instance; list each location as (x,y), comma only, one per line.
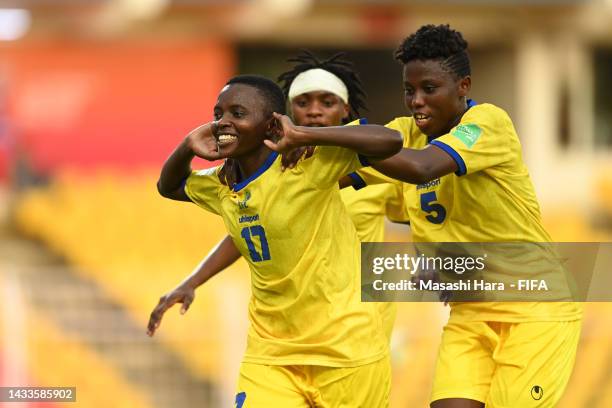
(417,166)
(373,141)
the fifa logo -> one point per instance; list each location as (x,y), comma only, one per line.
(243,204)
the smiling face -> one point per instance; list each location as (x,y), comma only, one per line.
(319,108)
(243,120)
(434,96)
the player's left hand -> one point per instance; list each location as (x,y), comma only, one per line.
(183,293)
(203,143)
(287,135)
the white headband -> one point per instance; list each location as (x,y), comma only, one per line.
(318,79)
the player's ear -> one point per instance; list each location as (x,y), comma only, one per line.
(272,128)
(465,84)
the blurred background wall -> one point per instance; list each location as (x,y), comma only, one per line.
(94,94)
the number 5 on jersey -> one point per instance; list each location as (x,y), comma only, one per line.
(436,212)
(248,233)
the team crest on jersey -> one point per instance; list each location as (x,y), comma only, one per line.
(468,134)
(242,204)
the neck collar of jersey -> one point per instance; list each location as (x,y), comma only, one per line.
(265,166)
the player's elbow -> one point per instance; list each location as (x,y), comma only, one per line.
(395,142)
(420,173)
(389,143)
(163,191)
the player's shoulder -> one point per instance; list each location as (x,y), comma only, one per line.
(403,124)
(407,128)
(207,176)
(412,135)
(208,172)
(486,113)
(203,186)
(357,122)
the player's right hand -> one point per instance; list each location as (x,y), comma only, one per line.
(203,143)
(182,294)
(286,138)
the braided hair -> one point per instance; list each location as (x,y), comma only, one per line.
(431,42)
(338,66)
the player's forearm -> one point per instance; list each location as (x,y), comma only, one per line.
(400,167)
(222,256)
(417,166)
(175,170)
(374,141)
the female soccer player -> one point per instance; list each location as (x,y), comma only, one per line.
(318,99)
(469,184)
(311,341)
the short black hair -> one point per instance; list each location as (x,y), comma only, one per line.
(338,66)
(269,89)
(431,42)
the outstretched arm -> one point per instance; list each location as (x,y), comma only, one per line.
(222,256)
(373,141)
(417,166)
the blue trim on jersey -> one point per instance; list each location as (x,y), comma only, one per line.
(271,158)
(184,186)
(363,160)
(453,153)
(358,181)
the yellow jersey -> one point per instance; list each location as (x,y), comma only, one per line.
(489,199)
(368,205)
(304,256)
(367,208)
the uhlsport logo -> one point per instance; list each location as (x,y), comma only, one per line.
(468,134)
(243,204)
(537,392)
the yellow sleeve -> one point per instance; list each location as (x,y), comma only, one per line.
(329,163)
(329,160)
(395,209)
(482,139)
(202,187)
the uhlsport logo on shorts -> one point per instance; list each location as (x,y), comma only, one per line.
(537,392)
(468,134)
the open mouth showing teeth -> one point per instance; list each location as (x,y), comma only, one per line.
(421,119)
(226,139)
